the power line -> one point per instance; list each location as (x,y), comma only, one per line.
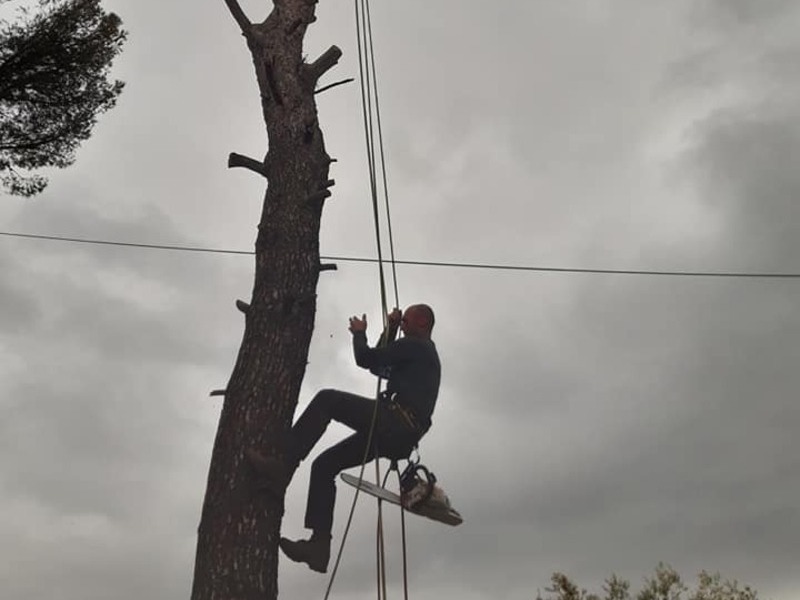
(420,263)
(57,238)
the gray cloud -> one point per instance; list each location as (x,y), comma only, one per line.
(760,202)
(591,424)
(716,13)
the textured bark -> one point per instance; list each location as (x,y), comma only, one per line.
(237,548)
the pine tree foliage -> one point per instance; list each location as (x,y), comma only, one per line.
(666,584)
(54,82)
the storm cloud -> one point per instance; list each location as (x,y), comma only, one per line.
(587,423)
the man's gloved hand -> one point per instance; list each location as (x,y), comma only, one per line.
(358,325)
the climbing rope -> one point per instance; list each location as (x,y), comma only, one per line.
(403,530)
(369,91)
(380,548)
(393,262)
(372,123)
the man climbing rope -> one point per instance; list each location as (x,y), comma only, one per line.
(412,370)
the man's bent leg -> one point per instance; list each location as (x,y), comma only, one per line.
(315,552)
(354,411)
(322,487)
(329,405)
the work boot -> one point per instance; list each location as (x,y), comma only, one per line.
(274,474)
(315,552)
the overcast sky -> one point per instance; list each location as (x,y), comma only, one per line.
(590,424)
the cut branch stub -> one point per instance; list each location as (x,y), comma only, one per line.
(320,66)
(328,267)
(243,306)
(218,393)
(245,162)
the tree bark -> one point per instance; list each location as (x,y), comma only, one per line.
(237,547)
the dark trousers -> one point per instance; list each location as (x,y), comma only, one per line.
(391,439)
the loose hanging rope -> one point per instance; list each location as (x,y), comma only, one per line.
(403,530)
(380,550)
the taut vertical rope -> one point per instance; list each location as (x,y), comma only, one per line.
(368,80)
(382,153)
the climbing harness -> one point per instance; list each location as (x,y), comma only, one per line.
(402,413)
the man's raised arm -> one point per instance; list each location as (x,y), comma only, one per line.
(378,358)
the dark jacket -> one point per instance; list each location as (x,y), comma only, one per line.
(412,370)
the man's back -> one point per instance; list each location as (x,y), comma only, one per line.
(412,368)
(416,379)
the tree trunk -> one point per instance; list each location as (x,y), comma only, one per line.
(237,548)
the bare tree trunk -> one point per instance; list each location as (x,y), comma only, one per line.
(237,548)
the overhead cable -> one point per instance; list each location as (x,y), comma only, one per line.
(425,263)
